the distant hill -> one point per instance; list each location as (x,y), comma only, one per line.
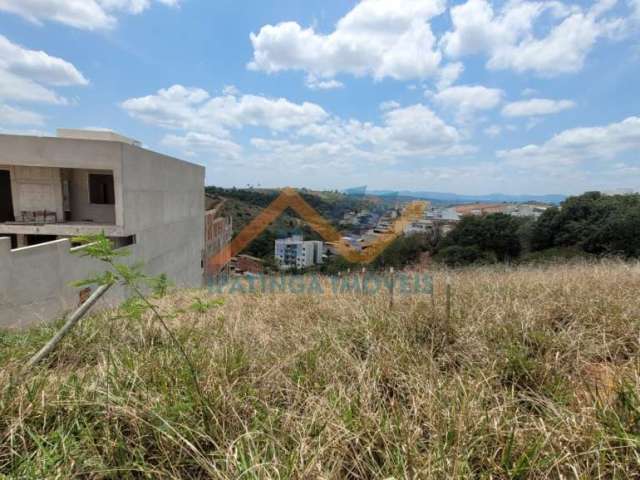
(440,197)
(245,204)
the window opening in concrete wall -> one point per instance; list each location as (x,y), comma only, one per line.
(101,191)
(38,239)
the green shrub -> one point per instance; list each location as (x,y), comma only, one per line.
(457,256)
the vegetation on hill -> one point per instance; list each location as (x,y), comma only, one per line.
(403,251)
(596,223)
(243,205)
(582,226)
(589,224)
(534,375)
(331,205)
(242,212)
(489,238)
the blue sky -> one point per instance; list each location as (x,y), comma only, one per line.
(468,97)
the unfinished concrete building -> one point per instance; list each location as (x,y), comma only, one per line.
(84,182)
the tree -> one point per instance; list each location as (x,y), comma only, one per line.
(404,250)
(618,234)
(594,223)
(544,230)
(495,235)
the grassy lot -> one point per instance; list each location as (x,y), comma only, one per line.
(535,376)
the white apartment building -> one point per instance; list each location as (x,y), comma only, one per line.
(295,252)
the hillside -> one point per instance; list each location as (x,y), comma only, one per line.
(535,375)
(243,211)
(243,205)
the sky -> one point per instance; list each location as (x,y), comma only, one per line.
(471,97)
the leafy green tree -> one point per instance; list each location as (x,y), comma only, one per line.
(542,235)
(618,234)
(593,222)
(496,235)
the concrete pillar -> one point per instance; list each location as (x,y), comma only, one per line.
(5,270)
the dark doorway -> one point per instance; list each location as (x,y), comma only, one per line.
(6,201)
(101,190)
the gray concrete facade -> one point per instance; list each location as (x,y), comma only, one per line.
(157,204)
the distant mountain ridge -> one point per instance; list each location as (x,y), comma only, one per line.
(456,198)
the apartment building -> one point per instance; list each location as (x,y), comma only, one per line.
(295,252)
(87,182)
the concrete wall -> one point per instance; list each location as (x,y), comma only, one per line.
(104,135)
(163,203)
(35,282)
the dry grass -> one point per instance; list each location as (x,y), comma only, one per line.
(536,376)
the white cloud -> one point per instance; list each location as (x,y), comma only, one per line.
(180,107)
(297,156)
(19,89)
(206,123)
(23,73)
(230,90)
(83,14)
(389,105)
(38,66)
(17,116)
(536,107)
(476,28)
(175,107)
(352,147)
(302,136)
(577,145)
(508,36)
(449,74)
(376,38)
(133,6)
(562,51)
(404,132)
(315,84)
(465,100)
(418,130)
(193,142)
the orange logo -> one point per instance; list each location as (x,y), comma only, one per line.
(289,198)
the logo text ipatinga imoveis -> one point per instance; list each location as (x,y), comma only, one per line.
(402,283)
